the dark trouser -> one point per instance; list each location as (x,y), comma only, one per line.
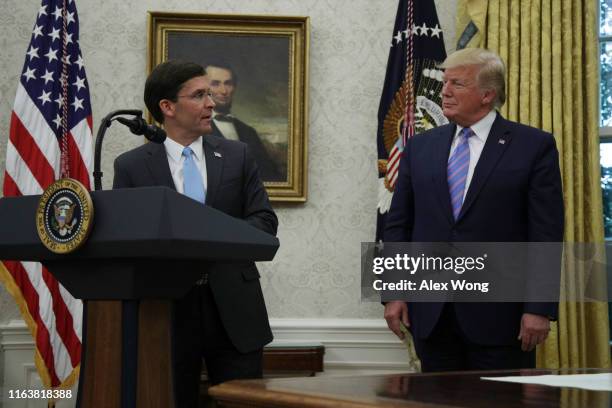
(199,333)
(448,349)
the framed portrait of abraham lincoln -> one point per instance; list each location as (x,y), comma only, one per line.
(257,68)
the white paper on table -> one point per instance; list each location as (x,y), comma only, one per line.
(594,382)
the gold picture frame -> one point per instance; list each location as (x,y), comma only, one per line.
(268,56)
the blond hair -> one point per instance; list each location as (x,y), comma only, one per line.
(491,74)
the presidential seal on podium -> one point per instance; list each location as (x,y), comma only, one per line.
(64,217)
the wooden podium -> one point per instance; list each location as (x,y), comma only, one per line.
(148,246)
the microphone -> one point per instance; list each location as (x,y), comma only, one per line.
(138,126)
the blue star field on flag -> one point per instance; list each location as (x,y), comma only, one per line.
(42,70)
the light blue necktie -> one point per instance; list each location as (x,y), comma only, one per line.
(193,186)
(457,170)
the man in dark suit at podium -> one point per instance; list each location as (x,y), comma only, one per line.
(223,83)
(223,319)
(480,178)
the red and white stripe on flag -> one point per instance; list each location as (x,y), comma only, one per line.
(51,119)
(393,165)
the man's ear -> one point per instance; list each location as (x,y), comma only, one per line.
(488,96)
(167,107)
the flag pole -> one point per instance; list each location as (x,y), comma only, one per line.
(65,159)
(408,126)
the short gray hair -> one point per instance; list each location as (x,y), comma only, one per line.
(492,70)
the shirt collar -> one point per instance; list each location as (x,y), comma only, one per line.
(482,128)
(175,149)
(215,113)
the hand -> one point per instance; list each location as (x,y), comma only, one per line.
(534,330)
(395,312)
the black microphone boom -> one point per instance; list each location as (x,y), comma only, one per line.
(138,126)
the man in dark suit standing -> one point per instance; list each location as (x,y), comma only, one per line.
(223,319)
(223,83)
(480,178)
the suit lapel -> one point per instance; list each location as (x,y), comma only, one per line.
(215,130)
(497,142)
(157,162)
(214,166)
(241,130)
(440,161)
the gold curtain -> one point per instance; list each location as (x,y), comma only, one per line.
(550,50)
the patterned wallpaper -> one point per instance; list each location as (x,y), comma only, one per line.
(316,271)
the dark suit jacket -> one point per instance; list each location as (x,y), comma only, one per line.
(268,169)
(233,187)
(515,196)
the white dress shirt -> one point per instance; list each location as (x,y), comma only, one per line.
(174,152)
(227,129)
(476,143)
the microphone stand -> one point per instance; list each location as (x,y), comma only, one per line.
(104,125)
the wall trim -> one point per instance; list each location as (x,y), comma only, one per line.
(18,369)
(352,346)
(15,335)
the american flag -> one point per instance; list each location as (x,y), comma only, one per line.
(50,138)
(410,100)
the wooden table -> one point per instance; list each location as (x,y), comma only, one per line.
(459,390)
